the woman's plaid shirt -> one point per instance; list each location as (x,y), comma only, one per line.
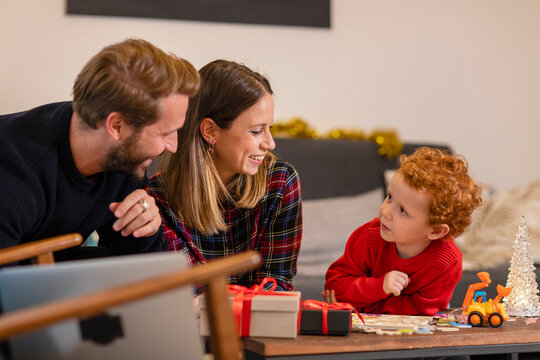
(273,228)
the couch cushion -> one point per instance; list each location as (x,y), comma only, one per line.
(328,223)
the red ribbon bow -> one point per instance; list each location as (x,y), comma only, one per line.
(241,307)
(324,306)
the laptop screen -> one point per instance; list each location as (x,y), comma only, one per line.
(162,326)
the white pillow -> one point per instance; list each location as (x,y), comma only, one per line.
(489,242)
(328,223)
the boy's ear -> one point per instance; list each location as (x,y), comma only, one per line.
(208,129)
(438,231)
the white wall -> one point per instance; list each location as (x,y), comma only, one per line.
(462,72)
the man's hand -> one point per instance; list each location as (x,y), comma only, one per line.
(395,282)
(137,214)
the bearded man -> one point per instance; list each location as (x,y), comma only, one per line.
(80,166)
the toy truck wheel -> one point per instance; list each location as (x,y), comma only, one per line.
(475,319)
(495,320)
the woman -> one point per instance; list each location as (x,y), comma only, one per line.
(223,191)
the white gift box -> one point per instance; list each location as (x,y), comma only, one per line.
(271,315)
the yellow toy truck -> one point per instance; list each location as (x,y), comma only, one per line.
(481,311)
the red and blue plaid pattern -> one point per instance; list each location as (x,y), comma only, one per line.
(273,228)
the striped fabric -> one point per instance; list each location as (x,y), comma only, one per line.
(273,228)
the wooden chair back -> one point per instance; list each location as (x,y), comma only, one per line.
(40,252)
(224,340)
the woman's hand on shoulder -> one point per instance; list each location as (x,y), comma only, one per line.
(137,215)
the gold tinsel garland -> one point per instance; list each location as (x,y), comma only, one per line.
(388,143)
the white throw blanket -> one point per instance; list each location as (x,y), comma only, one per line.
(489,241)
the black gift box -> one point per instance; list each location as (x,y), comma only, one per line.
(339,322)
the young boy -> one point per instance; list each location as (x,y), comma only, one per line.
(405,261)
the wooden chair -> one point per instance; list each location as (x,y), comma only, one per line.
(224,338)
(40,252)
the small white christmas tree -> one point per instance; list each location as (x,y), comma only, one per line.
(523,300)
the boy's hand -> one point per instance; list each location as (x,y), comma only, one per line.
(395,282)
(329,296)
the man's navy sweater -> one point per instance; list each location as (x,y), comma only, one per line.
(42,194)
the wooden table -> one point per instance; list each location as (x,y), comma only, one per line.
(512,337)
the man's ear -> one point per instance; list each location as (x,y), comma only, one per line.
(208,129)
(116,125)
(438,231)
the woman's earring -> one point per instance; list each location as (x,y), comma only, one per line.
(212,143)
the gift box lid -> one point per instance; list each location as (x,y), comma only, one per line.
(283,301)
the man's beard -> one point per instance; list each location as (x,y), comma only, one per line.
(127,158)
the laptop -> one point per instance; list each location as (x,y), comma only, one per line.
(162,326)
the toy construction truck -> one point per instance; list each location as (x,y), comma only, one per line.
(481,311)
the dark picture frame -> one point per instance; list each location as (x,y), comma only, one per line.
(311,13)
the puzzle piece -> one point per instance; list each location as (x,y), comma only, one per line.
(446,328)
(387,332)
(390,322)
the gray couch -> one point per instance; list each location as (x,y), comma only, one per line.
(342,188)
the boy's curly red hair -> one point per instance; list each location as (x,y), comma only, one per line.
(454,195)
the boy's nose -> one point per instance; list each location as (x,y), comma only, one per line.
(385,212)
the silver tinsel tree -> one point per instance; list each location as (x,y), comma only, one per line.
(523,300)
